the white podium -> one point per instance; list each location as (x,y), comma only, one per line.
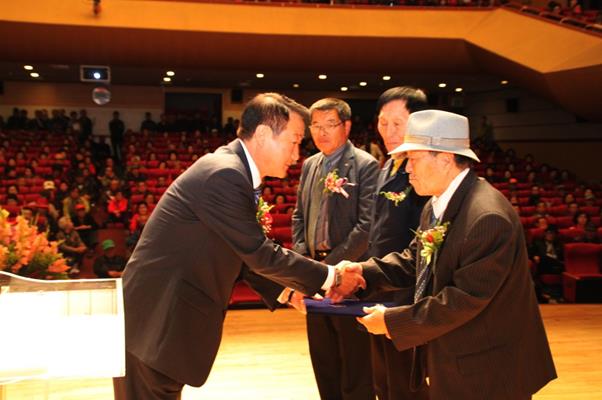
(60,329)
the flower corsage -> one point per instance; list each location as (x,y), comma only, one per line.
(263,215)
(431,240)
(397,197)
(333,183)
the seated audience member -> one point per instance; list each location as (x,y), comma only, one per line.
(569,198)
(547,255)
(279,199)
(71,201)
(572,209)
(541,223)
(117,208)
(137,224)
(580,220)
(71,245)
(590,197)
(134,175)
(151,201)
(590,235)
(85,225)
(541,210)
(109,264)
(535,196)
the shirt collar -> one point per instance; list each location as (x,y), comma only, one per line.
(440,203)
(334,157)
(254,171)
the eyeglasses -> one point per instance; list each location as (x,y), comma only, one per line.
(328,128)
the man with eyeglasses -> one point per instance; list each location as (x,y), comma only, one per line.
(331,222)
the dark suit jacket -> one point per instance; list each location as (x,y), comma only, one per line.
(392,228)
(479,326)
(178,281)
(349,218)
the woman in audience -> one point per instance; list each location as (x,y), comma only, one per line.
(71,244)
(580,220)
(117,208)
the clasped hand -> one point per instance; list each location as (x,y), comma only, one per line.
(351,280)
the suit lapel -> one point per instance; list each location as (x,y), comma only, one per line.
(385,175)
(452,210)
(236,147)
(346,161)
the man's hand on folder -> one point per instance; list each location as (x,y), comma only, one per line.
(375,320)
(349,279)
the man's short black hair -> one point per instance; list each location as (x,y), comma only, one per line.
(415,98)
(271,109)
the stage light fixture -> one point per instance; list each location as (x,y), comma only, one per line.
(95,73)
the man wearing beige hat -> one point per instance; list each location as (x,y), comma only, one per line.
(475,324)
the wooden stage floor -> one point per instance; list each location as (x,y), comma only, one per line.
(264,356)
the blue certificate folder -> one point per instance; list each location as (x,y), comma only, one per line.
(351,308)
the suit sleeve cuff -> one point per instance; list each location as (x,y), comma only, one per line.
(329,278)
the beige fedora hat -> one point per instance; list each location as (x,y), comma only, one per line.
(436,130)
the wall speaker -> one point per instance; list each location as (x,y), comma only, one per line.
(236,96)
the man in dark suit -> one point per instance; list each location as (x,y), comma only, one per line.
(395,217)
(330,224)
(178,281)
(475,323)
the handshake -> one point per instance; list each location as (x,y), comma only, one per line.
(348,279)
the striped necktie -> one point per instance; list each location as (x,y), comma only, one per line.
(424,274)
(257,194)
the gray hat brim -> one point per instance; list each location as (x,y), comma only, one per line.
(405,147)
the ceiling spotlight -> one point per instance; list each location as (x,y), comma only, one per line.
(259,75)
(28,67)
(96,75)
(170,73)
(34,75)
(166,79)
(442,85)
(344,88)
(386,78)
(504,82)
(322,76)
(458,89)
(295,85)
(363,83)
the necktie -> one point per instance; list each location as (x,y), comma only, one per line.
(396,164)
(315,207)
(424,273)
(257,194)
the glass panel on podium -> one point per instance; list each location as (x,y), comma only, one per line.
(60,329)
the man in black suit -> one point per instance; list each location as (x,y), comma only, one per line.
(202,235)
(475,324)
(331,223)
(395,217)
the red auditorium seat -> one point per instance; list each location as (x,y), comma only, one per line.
(564,222)
(242,293)
(282,234)
(527,211)
(558,210)
(590,210)
(582,280)
(569,234)
(534,233)
(281,220)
